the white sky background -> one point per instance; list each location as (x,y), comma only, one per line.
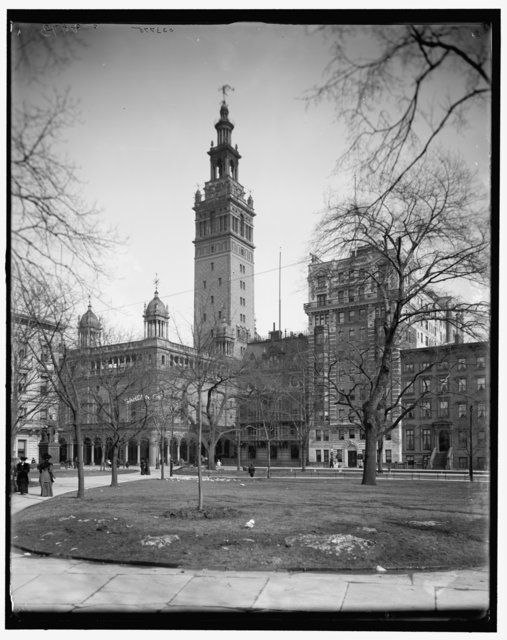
(148,106)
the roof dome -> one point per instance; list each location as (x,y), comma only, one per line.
(156,308)
(89,320)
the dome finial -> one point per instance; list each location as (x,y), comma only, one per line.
(156,282)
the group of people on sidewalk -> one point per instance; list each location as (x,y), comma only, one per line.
(21,480)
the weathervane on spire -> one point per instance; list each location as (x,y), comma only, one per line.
(224,89)
(155,282)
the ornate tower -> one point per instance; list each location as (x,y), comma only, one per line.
(156,317)
(224,250)
(89,329)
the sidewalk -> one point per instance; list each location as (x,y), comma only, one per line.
(78,586)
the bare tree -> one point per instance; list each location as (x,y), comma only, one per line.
(166,411)
(259,405)
(206,383)
(400,87)
(276,400)
(117,391)
(55,236)
(427,234)
(53,349)
(31,394)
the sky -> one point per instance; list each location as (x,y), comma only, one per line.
(148,104)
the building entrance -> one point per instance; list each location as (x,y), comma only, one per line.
(443,441)
(352,458)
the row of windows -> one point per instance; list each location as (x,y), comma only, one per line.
(273,452)
(221,224)
(350,434)
(443,386)
(426,409)
(427,443)
(462,364)
(352,334)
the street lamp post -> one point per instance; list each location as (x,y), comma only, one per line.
(470,450)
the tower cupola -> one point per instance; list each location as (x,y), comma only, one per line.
(89,329)
(224,157)
(156,317)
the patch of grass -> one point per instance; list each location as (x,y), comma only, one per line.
(110,523)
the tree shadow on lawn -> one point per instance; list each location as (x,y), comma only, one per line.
(300,527)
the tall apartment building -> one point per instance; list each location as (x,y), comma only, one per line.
(450,394)
(224,250)
(345,316)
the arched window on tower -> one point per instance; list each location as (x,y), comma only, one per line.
(242,226)
(232,169)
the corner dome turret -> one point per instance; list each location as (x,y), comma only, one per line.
(89,320)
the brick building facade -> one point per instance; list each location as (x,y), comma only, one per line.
(450,388)
(276,414)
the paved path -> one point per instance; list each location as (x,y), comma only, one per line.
(74,585)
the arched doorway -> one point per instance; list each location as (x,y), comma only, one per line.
(443,441)
(192,453)
(109,449)
(43,443)
(174,451)
(184,450)
(87,451)
(145,449)
(352,458)
(63,449)
(97,451)
(132,452)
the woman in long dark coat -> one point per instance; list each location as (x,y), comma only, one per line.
(46,477)
(22,471)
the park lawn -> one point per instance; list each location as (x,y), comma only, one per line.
(399,525)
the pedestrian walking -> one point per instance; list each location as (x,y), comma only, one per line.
(251,469)
(22,471)
(46,477)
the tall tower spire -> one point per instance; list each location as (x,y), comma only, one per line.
(224,249)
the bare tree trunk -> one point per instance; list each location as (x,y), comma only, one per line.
(370,458)
(302,453)
(268,445)
(200,503)
(103,456)
(162,443)
(114,466)
(380,449)
(80,461)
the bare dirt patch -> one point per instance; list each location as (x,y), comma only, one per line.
(209,513)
